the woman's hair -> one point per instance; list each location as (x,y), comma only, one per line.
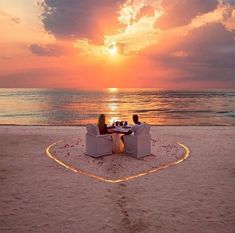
(101,121)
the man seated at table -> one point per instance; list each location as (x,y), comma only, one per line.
(133,129)
(139,144)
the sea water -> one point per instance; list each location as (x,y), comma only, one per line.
(80,106)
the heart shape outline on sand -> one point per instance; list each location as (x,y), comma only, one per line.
(143,173)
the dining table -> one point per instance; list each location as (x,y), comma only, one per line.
(117,132)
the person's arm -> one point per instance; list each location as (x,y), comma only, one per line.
(128,133)
(132,130)
(108,130)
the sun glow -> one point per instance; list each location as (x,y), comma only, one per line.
(138,31)
(113,89)
(113,50)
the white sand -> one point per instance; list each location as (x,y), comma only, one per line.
(38,195)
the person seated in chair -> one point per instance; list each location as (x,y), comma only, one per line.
(137,144)
(133,129)
(137,123)
(103,128)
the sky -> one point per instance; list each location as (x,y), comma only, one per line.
(172,44)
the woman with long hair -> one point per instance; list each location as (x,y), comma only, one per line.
(102,125)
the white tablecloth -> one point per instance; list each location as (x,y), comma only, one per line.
(117,143)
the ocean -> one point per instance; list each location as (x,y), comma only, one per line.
(79,107)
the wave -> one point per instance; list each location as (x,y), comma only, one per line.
(173,111)
(227,113)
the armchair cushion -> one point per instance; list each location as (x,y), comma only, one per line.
(139,144)
(142,129)
(92,129)
(97,145)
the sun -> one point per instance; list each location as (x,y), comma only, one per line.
(113,89)
(113,50)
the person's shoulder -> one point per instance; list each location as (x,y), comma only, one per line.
(134,127)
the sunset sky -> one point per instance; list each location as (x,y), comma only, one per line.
(117,43)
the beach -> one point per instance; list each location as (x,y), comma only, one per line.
(39,195)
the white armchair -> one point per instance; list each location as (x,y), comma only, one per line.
(97,145)
(139,144)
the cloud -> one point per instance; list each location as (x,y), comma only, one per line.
(229,6)
(95,25)
(50,50)
(210,45)
(81,18)
(92,19)
(192,37)
(12,19)
(181,12)
(33,77)
(206,53)
(15,20)
(137,19)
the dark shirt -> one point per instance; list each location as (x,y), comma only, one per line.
(103,130)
